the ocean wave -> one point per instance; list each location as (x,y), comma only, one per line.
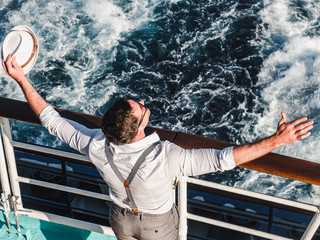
(222,69)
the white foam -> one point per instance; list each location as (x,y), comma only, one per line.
(114,20)
(4,4)
(293,78)
(61,33)
(290,76)
(283,20)
(280,187)
(294,68)
(110,19)
(290,79)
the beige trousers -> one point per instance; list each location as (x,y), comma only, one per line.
(128,225)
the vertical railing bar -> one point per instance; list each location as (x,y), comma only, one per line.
(12,169)
(65,182)
(270,219)
(4,178)
(312,228)
(11,163)
(15,202)
(182,204)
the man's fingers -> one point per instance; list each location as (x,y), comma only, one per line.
(284,116)
(304,129)
(4,67)
(283,119)
(300,137)
(9,58)
(304,125)
(8,63)
(14,62)
(298,121)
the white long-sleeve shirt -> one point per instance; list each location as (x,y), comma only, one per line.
(152,185)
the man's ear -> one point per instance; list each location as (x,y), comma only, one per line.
(140,131)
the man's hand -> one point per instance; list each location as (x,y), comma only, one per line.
(13,69)
(286,133)
(290,132)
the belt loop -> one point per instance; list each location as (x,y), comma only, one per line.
(123,211)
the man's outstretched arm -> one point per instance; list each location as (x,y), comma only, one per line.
(286,133)
(72,133)
(12,68)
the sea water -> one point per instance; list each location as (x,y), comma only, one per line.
(223,69)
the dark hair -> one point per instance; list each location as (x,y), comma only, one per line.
(118,124)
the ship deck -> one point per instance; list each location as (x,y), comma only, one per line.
(35,229)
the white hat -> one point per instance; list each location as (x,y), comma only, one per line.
(22,43)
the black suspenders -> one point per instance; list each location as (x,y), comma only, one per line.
(126,182)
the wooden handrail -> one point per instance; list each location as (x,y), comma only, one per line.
(271,163)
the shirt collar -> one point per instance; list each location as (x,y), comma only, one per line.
(143,143)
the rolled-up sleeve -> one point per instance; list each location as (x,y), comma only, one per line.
(74,134)
(192,162)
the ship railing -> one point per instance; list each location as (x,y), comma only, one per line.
(10,180)
(11,193)
(243,194)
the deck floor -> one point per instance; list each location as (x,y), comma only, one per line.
(34,229)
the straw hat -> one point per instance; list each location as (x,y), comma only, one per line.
(22,43)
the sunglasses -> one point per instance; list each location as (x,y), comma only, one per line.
(145,111)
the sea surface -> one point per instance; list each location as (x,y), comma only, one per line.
(222,69)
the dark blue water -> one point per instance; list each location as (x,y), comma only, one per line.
(221,69)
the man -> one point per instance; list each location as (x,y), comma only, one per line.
(143,205)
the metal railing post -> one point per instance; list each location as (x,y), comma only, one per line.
(11,161)
(6,192)
(12,168)
(312,228)
(182,201)
(270,219)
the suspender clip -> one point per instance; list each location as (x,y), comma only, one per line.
(135,211)
(126,184)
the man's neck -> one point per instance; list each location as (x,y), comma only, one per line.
(138,137)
